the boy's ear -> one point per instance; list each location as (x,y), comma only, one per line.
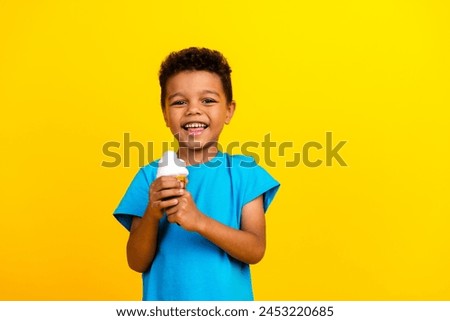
(166,119)
(230,111)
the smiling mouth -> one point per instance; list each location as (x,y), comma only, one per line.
(195,128)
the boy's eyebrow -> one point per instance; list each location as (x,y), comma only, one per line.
(173,95)
(206,91)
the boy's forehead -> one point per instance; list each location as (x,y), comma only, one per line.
(195,80)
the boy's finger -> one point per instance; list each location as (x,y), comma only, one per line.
(171,218)
(173,192)
(170,211)
(166,182)
(183,184)
(168,204)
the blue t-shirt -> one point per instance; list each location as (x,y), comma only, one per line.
(187,266)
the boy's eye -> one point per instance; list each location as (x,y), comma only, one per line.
(209,101)
(178,103)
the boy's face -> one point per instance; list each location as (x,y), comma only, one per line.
(196,108)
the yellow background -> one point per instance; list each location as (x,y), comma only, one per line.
(77,74)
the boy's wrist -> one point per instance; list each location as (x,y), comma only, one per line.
(202,224)
(152,214)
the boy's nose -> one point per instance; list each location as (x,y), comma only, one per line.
(193,109)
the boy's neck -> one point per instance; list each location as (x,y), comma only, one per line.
(198,155)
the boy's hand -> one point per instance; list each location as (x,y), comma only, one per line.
(164,194)
(185,213)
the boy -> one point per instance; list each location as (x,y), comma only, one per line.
(219,214)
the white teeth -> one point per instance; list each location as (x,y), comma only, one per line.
(195,125)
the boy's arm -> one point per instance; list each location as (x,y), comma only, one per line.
(247,244)
(141,246)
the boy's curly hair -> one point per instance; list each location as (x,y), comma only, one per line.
(195,58)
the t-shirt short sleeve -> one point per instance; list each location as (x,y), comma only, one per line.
(135,200)
(256,181)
